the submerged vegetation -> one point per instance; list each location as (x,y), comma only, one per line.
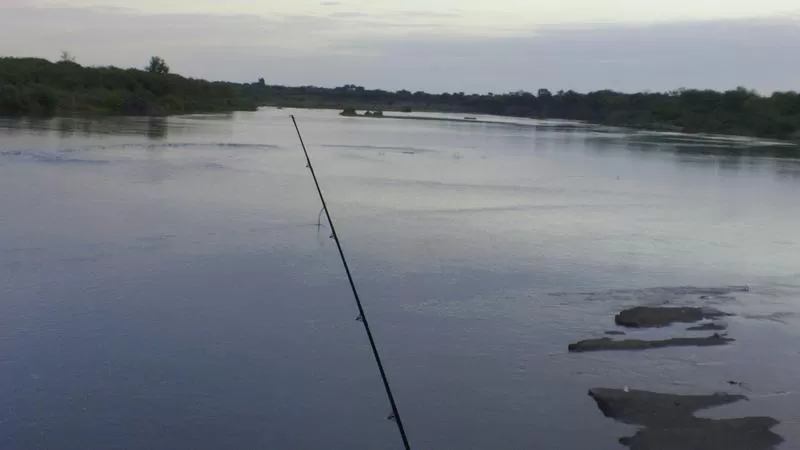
(32,87)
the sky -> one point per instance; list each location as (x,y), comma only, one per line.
(432,45)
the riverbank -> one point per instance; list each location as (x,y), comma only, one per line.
(389,112)
(37,87)
(40,88)
(740,111)
(713,143)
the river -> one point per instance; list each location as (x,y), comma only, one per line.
(167,283)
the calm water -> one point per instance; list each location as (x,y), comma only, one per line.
(164,284)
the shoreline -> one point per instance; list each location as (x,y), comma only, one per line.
(730,139)
(556,122)
(38,87)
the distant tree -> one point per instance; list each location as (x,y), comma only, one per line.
(67,57)
(352,88)
(262,82)
(158,65)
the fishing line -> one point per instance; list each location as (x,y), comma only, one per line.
(362,317)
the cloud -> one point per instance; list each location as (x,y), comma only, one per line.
(452,14)
(708,54)
(415,50)
(347,15)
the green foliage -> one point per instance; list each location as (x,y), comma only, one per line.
(37,87)
(739,111)
(30,86)
(31,100)
(10,100)
(158,66)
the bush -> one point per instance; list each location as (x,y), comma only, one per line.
(30,86)
(10,101)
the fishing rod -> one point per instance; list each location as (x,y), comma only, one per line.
(362,317)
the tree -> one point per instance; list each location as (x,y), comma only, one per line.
(262,82)
(67,57)
(158,65)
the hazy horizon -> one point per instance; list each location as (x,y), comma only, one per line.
(450,47)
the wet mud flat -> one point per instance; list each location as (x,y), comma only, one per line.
(667,421)
(591,345)
(659,317)
(649,316)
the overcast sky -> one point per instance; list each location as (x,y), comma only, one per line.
(433,45)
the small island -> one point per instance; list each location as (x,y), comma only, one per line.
(351,112)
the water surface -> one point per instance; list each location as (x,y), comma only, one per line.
(165,283)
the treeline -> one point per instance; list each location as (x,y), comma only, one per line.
(739,111)
(37,87)
(30,86)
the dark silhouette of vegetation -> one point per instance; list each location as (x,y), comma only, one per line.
(37,87)
(351,112)
(158,65)
(67,57)
(739,111)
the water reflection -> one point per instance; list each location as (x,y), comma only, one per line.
(66,127)
(162,252)
(787,169)
(157,128)
(153,128)
(727,153)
